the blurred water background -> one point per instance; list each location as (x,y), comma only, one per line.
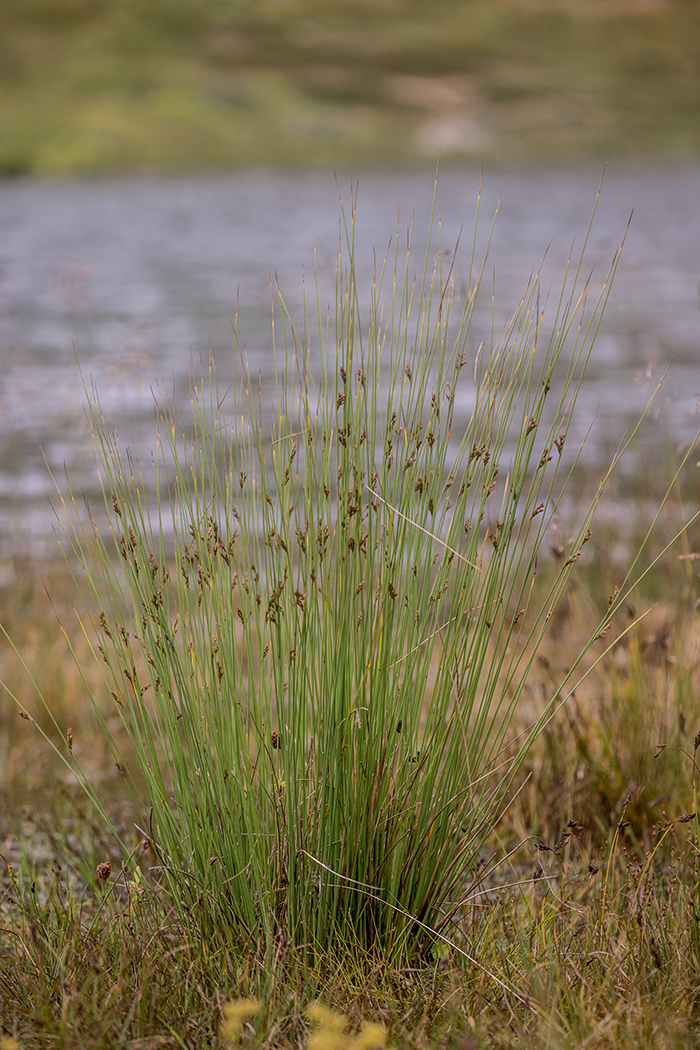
(169,159)
(128,280)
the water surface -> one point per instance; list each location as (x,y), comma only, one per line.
(131,277)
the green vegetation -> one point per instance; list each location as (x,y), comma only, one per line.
(327,661)
(391,735)
(115,85)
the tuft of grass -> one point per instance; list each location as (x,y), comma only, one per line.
(318,628)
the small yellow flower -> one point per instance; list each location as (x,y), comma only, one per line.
(235,1014)
(326,1018)
(371,1037)
(330,1032)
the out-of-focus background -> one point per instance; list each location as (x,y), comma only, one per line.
(162,159)
(118,85)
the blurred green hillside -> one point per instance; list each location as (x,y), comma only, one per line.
(105,85)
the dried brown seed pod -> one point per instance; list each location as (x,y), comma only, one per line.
(103,871)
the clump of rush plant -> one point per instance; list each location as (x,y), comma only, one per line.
(317,628)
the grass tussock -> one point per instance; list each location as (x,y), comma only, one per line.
(393,735)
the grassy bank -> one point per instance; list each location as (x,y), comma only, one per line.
(597,933)
(111,85)
(362,706)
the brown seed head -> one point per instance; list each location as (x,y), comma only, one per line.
(103,871)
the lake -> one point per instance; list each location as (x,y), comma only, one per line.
(131,277)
